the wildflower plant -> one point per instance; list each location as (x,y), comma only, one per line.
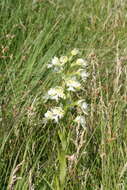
(63,99)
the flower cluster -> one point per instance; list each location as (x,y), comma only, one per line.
(72,73)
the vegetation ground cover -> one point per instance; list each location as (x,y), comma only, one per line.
(31,34)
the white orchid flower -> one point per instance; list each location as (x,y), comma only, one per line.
(54,62)
(56,93)
(54,114)
(81,62)
(72,84)
(74,52)
(63,59)
(83,105)
(81,121)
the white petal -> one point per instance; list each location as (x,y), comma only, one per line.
(74,52)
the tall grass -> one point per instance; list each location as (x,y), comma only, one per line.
(31,33)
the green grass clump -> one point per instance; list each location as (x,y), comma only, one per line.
(65,156)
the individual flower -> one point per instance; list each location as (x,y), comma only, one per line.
(83,105)
(72,84)
(56,93)
(48,115)
(54,62)
(54,114)
(83,74)
(58,69)
(74,52)
(81,62)
(81,120)
(63,59)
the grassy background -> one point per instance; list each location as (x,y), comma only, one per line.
(30,35)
